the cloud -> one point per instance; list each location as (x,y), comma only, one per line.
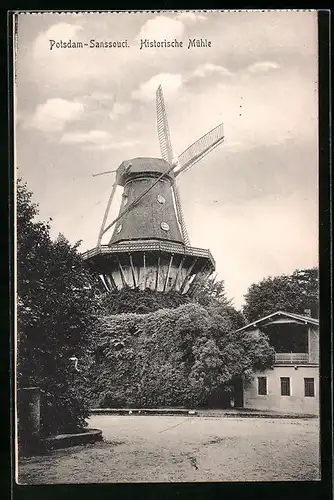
(263,67)
(119,109)
(171,84)
(19,116)
(124,144)
(54,114)
(98,102)
(72,67)
(206,69)
(265,35)
(255,111)
(101,96)
(98,140)
(191,17)
(78,69)
(97,137)
(59,31)
(114,145)
(161,27)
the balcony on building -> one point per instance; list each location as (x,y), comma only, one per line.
(291,357)
(294,338)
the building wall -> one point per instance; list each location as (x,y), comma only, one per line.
(313,344)
(296,402)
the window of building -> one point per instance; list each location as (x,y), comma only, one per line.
(309,387)
(285,386)
(262,386)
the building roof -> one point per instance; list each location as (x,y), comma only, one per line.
(143,165)
(297,317)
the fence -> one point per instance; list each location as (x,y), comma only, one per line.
(291,357)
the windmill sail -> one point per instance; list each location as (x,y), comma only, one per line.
(200,148)
(106,213)
(179,213)
(163,129)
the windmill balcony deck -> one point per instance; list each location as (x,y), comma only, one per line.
(160,265)
(291,358)
(149,246)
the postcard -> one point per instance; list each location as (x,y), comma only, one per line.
(166,246)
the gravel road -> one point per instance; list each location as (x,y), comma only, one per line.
(177,449)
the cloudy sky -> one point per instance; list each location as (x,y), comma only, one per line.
(253,201)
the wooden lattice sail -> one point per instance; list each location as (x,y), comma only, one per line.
(149,246)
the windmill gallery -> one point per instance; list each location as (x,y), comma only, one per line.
(149,246)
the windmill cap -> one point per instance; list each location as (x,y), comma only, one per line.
(153,167)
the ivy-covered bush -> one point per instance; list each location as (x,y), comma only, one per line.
(172,357)
(140,301)
(208,293)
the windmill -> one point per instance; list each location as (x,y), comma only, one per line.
(149,246)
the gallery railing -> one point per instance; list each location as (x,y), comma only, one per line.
(291,357)
(142,246)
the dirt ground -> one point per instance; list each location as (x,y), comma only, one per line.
(178,449)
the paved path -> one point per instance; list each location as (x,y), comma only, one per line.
(168,449)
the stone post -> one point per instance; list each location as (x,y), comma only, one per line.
(29,417)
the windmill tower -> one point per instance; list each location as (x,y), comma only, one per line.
(149,246)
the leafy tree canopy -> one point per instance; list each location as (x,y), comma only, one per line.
(56,316)
(294,293)
(211,294)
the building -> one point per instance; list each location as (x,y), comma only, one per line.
(292,385)
(148,248)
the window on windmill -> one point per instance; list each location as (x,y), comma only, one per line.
(125,200)
(170,282)
(119,228)
(164,226)
(161,199)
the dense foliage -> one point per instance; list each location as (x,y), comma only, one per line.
(294,293)
(172,357)
(208,293)
(55,318)
(140,301)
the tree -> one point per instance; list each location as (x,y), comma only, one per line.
(293,293)
(211,294)
(140,301)
(172,357)
(56,318)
